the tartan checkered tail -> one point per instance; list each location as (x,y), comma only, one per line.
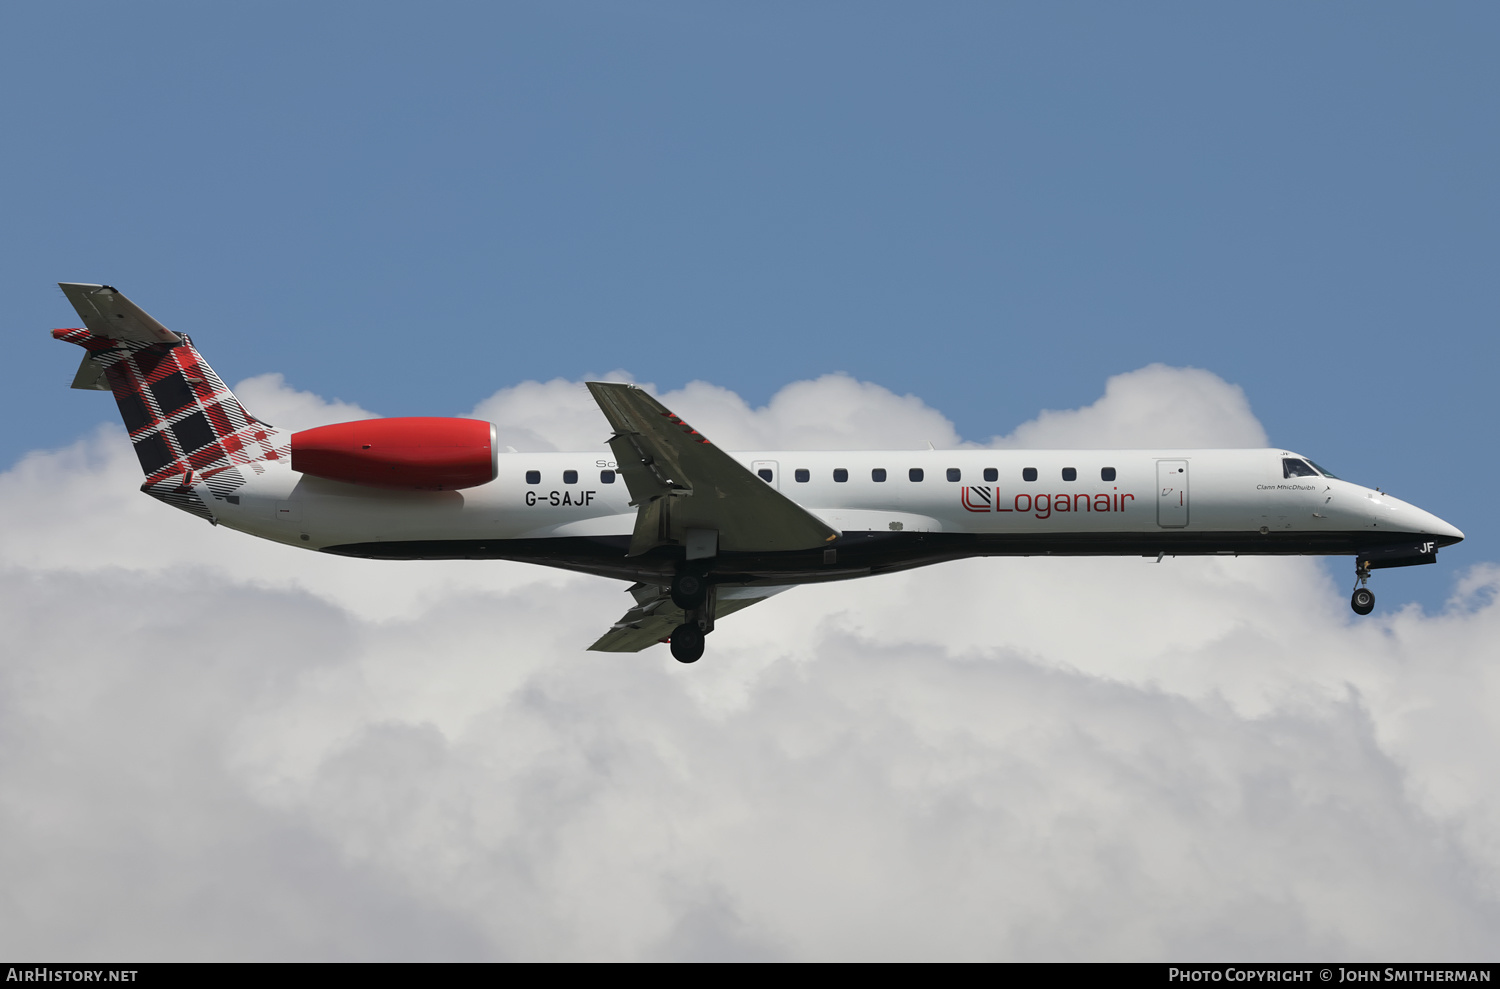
(195,441)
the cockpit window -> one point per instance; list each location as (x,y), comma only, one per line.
(1292,467)
(1324,470)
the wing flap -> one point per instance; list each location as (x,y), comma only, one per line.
(655,616)
(681,481)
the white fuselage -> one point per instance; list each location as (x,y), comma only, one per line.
(573,510)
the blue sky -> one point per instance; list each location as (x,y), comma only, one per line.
(993,207)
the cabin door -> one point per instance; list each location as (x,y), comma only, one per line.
(1171,493)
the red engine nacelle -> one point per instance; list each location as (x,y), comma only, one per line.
(418,453)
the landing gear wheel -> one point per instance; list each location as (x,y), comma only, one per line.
(1363,601)
(689,591)
(687,643)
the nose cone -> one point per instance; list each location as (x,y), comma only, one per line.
(1423,523)
(1397,514)
(1446,534)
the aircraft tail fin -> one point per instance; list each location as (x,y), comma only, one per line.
(194,439)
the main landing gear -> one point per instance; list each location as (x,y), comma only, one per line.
(691,593)
(689,590)
(687,643)
(1363,600)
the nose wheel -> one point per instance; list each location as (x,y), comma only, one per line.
(1363,599)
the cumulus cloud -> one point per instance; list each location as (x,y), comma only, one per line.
(220,748)
(270,399)
(834,412)
(1155,406)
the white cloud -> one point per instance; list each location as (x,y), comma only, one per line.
(212,747)
(270,399)
(1155,406)
(834,412)
(542,417)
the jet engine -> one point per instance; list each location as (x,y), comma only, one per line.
(416,453)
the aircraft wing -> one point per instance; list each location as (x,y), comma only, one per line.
(655,616)
(680,482)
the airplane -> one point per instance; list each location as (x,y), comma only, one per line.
(699,532)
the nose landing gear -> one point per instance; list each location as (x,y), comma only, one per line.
(1363,599)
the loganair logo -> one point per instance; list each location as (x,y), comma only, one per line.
(979,498)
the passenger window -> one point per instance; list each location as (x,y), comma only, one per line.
(765,474)
(1029,474)
(915,473)
(1292,467)
(1070,473)
(1106,474)
(570,477)
(801,475)
(991,474)
(878,474)
(606,477)
(533,477)
(954,474)
(840,475)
